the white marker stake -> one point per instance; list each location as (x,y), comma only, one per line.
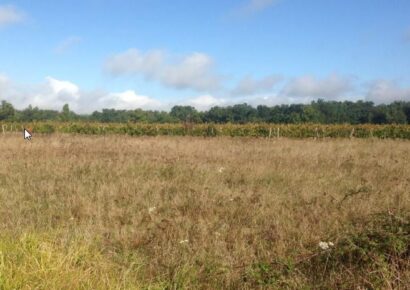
(27,135)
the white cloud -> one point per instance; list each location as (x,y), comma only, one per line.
(133,61)
(10,15)
(193,71)
(11,92)
(384,91)
(3,80)
(251,86)
(332,87)
(251,7)
(54,93)
(67,44)
(205,102)
(4,86)
(128,100)
(63,87)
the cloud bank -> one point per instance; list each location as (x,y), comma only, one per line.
(251,86)
(385,91)
(54,93)
(332,87)
(193,71)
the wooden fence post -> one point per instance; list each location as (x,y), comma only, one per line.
(278,133)
(270,133)
(352,133)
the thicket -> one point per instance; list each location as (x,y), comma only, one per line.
(371,253)
(320,111)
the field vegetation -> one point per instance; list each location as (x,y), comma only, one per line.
(126,212)
(264,130)
(319,112)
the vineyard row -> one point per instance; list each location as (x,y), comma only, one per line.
(210,130)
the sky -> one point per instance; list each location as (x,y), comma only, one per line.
(154,54)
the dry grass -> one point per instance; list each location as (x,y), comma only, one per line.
(122,212)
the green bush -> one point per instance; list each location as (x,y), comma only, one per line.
(44,128)
(375,248)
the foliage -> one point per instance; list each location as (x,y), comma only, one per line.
(374,249)
(211,130)
(6,111)
(185,114)
(378,244)
(320,111)
(41,261)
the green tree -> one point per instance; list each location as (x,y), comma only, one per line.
(406,110)
(396,113)
(264,113)
(185,114)
(243,113)
(379,115)
(311,115)
(7,111)
(66,114)
(218,115)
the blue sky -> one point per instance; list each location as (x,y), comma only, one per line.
(154,54)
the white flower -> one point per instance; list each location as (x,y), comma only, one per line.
(151,209)
(184,241)
(325,245)
(221,169)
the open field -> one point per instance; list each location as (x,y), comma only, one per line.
(120,212)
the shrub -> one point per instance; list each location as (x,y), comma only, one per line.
(44,128)
(375,248)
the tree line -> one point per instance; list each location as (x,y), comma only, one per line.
(320,111)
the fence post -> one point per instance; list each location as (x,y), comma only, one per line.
(278,133)
(270,133)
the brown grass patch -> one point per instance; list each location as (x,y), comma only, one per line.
(182,212)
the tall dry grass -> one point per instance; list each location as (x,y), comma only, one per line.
(181,212)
